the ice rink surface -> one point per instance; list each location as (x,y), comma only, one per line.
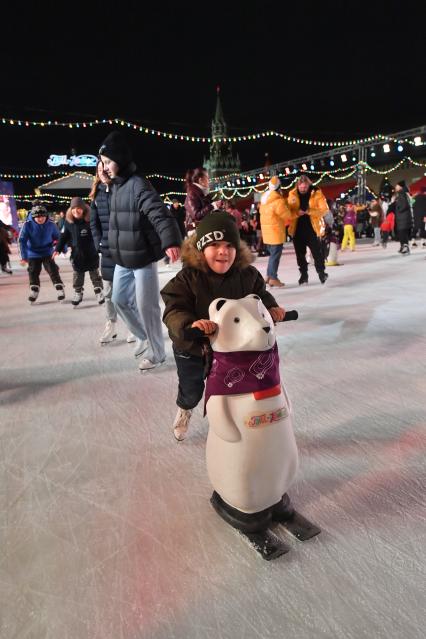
(106,530)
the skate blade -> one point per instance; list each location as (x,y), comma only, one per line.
(300,527)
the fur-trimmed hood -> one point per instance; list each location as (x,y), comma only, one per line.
(71,219)
(194,258)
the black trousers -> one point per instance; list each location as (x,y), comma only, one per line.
(403,235)
(307,239)
(50,266)
(419,227)
(78,279)
(190,370)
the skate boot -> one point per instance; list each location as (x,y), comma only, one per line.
(130,338)
(275,283)
(34,291)
(77,297)
(110,332)
(323,277)
(180,425)
(60,291)
(6,269)
(303,279)
(140,348)
(405,250)
(99,295)
(424,244)
(147,364)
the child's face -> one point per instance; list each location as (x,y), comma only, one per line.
(220,256)
(77,212)
(40,219)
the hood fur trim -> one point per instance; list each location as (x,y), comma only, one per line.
(70,217)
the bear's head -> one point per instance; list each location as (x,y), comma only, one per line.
(244,325)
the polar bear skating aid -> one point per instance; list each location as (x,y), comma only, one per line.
(251,452)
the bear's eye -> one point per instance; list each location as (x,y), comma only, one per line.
(236,320)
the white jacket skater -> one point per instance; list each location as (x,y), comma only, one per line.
(251,451)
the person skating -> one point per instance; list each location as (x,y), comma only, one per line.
(403,216)
(419,216)
(349,226)
(5,248)
(36,244)
(216,264)
(84,257)
(274,215)
(307,206)
(141,231)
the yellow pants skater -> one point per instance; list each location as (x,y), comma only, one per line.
(348,237)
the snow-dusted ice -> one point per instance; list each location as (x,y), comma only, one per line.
(106,531)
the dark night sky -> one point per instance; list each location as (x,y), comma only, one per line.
(336,71)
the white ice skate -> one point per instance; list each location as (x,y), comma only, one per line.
(60,291)
(110,332)
(180,425)
(147,364)
(77,297)
(34,291)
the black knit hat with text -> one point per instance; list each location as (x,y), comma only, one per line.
(217,227)
(116,148)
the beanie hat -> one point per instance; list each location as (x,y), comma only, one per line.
(274,183)
(403,184)
(38,210)
(116,148)
(217,227)
(77,203)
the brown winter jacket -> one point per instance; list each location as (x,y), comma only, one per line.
(197,205)
(188,295)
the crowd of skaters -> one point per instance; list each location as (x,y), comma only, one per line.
(127,229)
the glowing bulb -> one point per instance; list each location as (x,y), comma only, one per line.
(418,140)
(386,148)
(343,157)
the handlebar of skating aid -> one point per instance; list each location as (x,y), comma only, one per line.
(196,334)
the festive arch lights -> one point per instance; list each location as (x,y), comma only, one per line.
(140,128)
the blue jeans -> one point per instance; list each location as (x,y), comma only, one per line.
(275,251)
(136,296)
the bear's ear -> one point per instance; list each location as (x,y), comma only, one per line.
(256,297)
(220,304)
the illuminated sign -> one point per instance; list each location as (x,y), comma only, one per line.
(73,160)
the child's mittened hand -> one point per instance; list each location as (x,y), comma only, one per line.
(206,326)
(23,262)
(277,313)
(55,255)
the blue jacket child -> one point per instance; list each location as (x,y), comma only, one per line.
(36,242)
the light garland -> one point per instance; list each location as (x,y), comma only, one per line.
(203,139)
(30,176)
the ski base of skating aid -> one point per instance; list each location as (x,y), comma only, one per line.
(300,527)
(266,543)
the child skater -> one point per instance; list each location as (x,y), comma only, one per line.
(36,241)
(216,264)
(84,257)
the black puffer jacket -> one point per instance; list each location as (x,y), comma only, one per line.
(77,234)
(402,212)
(419,209)
(99,224)
(141,227)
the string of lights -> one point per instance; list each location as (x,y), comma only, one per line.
(30,176)
(379,137)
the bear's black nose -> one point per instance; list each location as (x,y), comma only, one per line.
(266,329)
